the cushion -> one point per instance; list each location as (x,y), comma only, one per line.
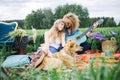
(16,61)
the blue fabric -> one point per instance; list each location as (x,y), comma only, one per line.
(72,33)
(54,50)
(60,47)
(16,60)
(5,28)
(85,45)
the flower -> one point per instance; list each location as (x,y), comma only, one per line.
(17,32)
(34,34)
(98,36)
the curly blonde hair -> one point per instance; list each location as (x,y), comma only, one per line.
(73,19)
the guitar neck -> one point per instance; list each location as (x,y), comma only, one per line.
(84,33)
(100,21)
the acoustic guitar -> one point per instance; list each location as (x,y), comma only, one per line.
(79,37)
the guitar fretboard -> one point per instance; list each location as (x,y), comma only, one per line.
(84,33)
(100,21)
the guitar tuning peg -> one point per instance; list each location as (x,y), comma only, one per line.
(100,21)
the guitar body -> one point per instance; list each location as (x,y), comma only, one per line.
(78,41)
(80,37)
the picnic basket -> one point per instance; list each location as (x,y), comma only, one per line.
(110,45)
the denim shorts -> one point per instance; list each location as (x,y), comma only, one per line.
(54,50)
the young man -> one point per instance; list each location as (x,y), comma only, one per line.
(72,27)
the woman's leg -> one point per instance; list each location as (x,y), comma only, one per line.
(86,46)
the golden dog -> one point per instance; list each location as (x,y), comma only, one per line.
(63,58)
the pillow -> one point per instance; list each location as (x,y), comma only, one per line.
(16,60)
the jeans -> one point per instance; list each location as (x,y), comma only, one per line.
(54,50)
(86,46)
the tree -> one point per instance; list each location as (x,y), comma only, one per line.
(110,22)
(118,24)
(48,18)
(20,22)
(81,12)
(44,18)
(40,19)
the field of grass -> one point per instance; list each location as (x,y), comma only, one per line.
(95,44)
(102,72)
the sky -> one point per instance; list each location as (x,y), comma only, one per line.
(19,9)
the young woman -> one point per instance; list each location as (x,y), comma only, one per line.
(71,21)
(55,37)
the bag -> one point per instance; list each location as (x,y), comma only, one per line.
(16,60)
(110,45)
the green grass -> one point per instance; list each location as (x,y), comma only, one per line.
(101,72)
(95,44)
(39,31)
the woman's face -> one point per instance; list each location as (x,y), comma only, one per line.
(67,23)
(60,26)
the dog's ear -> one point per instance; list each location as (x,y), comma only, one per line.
(71,43)
(70,40)
(67,42)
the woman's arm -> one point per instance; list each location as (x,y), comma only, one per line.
(89,34)
(46,38)
(46,45)
(63,40)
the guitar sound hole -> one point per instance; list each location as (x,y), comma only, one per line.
(77,38)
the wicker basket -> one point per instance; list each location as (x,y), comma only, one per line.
(110,45)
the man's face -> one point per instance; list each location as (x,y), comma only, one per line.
(68,23)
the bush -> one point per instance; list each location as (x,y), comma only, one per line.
(95,44)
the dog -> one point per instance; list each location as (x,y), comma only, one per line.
(71,47)
(63,58)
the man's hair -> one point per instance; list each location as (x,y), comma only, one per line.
(74,19)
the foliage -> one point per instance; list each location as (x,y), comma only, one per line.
(108,21)
(17,33)
(3,55)
(106,33)
(40,19)
(20,22)
(101,72)
(44,18)
(95,44)
(104,71)
(79,10)
(118,24)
